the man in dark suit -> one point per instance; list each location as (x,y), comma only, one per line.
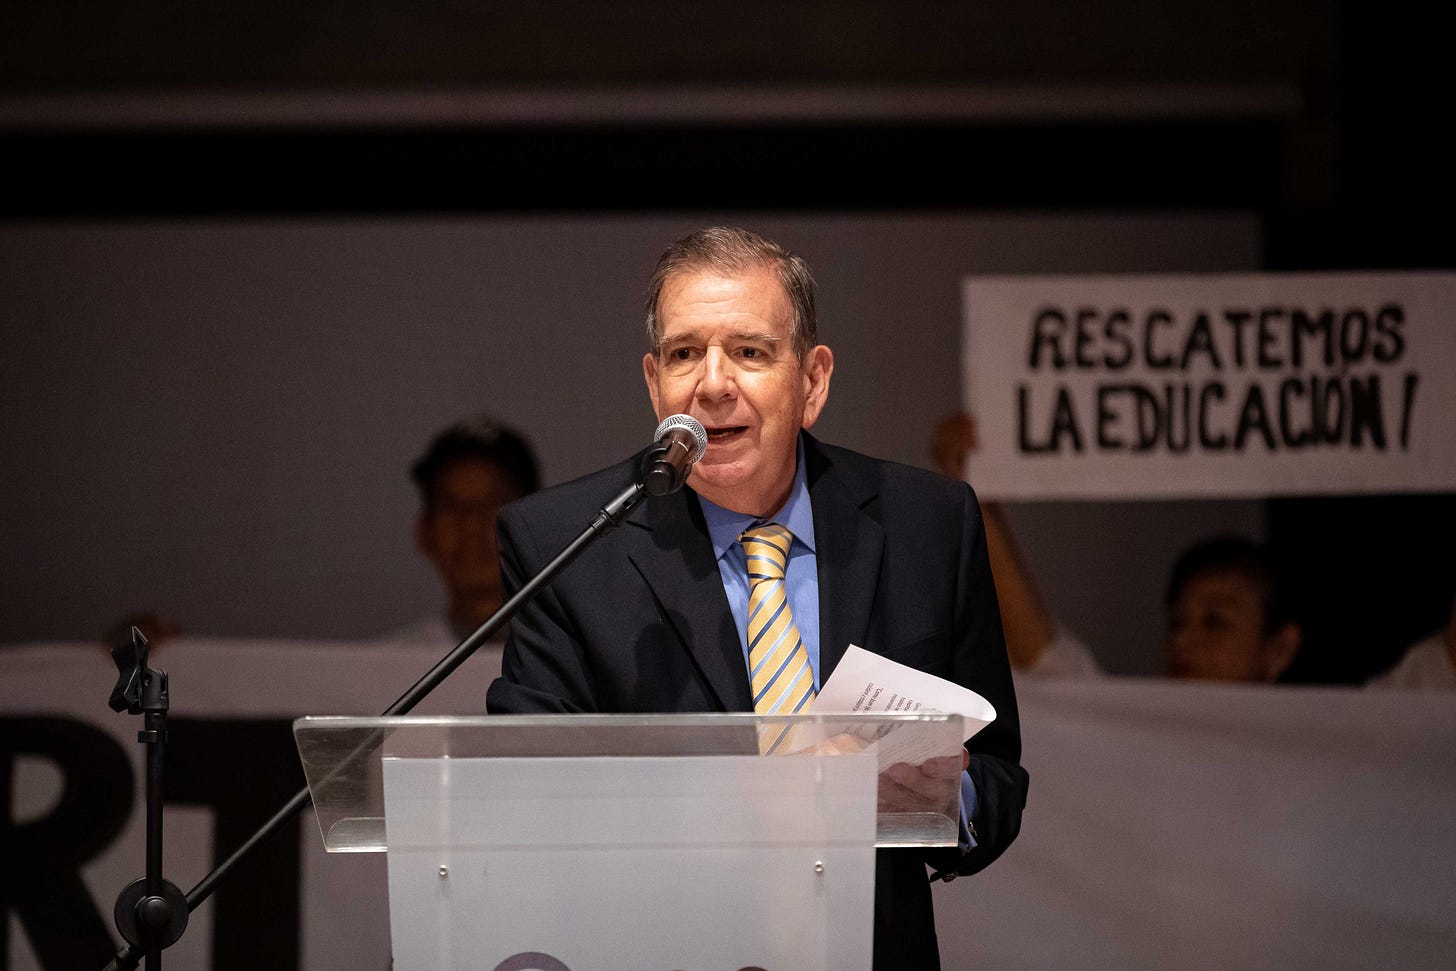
(666,614)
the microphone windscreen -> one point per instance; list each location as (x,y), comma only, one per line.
(693,427)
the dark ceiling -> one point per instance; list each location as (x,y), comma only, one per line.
(1323,116)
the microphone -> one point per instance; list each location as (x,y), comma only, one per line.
(679,442)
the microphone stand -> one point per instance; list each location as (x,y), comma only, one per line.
(151,913)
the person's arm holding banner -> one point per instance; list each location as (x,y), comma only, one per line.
(1035,642)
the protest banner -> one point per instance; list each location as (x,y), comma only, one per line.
(1211,386)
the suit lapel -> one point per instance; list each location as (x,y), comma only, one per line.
(850,545)
(676,559)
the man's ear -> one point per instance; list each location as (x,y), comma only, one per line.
(649,375)
(818,368)
(1280,649)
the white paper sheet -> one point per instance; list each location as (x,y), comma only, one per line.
(866,682)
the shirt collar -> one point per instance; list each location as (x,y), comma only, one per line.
(724,527)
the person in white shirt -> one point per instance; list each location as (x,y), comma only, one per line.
(468,472)
(1429,664)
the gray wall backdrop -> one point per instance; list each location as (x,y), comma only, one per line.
(214,419)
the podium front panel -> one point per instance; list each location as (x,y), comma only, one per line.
(651,862)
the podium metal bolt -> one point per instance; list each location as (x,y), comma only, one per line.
(444,871)
(818,866)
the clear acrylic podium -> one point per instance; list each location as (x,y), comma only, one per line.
(631,841)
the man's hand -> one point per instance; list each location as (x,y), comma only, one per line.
(841,744)
(919,788)
(902,787)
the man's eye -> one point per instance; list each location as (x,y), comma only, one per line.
(682,354)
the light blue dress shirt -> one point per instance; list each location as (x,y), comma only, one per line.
(801,575)
(801,578)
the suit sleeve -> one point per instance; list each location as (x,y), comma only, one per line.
(543,670)
(980,662)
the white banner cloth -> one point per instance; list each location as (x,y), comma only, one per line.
(1174,826)
(1169,825)
(1142,387)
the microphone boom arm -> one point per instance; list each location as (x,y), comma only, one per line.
(607,518)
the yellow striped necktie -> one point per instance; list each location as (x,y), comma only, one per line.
(778,663)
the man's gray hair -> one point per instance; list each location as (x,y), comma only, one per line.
(732,252)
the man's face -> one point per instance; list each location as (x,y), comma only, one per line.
(1216,632)
(457,533)
(725,357)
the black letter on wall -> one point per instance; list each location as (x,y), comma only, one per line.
(244,771)
(41,860)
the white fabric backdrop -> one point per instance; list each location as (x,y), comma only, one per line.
(1192,826)
(1169,825)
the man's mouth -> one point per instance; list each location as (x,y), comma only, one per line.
(723,433)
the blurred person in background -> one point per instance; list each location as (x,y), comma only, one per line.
(468,472)
(1226,616)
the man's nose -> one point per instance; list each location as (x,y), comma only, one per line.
(716,380)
